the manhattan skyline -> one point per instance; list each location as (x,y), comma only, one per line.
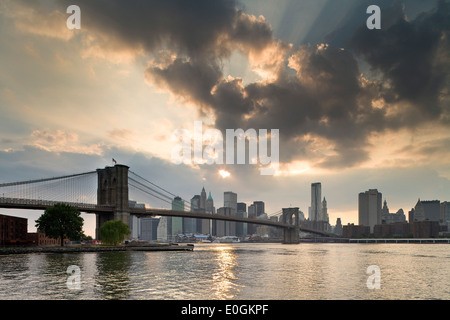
(353,111)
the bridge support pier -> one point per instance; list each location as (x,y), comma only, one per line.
(112,190)
(291,236)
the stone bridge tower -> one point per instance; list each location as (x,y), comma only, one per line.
(291,235)
(112,190)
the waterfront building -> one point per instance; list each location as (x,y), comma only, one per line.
(149,229)
(394,229)
(40,239)
(13,230)
(164,229)
(355,231)
(425,229)
(369,208)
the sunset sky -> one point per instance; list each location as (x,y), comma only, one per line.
(356,109)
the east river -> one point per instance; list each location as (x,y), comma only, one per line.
(235,271)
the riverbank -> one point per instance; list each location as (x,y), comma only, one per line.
(377,240)
(96,248)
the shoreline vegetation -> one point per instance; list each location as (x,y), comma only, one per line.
(96,248)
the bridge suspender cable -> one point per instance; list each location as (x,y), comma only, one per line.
(158,192)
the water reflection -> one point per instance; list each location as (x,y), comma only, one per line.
(224,276)
(53,270)
(234,271)
(112,280)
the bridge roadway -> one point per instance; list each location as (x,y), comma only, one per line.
(30,204)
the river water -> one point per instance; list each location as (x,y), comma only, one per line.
(235,271)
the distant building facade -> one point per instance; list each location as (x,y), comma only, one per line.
(425,229)
(230,200)
(149,229)
(355,231)
(445,212)
(427,210)
(387,217)
(177,222)
(40,239)
(338,227)
(369,208)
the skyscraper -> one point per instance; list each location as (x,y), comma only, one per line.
(324,211)
(259,206)
(190,224)
(202,204)
(209,207)
(369,208)
(206,225)
(427,210)
(445,211)
(338,227)
(316,203)
(230,200)
(177,222)
(251,228)
(241,227)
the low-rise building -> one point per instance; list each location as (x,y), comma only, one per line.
(355,231)
(40,239)
(13,230)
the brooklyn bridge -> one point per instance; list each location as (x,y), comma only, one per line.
(107,193)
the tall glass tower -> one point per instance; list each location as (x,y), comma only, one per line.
(316,201)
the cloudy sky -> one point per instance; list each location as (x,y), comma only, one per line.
(355,108)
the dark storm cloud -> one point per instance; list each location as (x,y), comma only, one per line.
(321,93)
(412,56)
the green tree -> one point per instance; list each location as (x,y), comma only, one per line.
(61,221)
(113,232)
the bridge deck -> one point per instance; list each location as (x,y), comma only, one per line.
(30,204)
